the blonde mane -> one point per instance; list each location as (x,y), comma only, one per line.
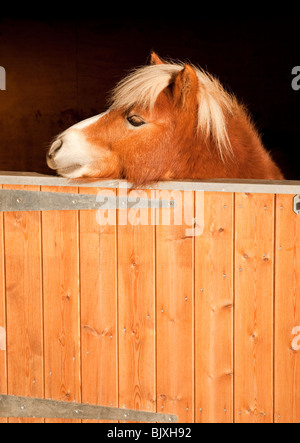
(143,85)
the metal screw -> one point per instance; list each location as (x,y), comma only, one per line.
(19,200)
(74,202)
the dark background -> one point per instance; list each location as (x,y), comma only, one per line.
(60,70)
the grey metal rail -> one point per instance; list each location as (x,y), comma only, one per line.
(26,407)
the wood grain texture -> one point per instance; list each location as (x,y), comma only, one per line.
(129,314)
(175,308)
(3,360)
(214,309)
(287,313)
(61,302)
(98,281)
(137,309)
(23,281)
(254,250)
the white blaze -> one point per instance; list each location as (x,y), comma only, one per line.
(75,149)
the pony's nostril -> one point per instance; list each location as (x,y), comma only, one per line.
(55,147)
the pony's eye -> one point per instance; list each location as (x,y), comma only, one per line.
(135,121)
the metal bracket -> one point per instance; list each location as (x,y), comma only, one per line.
(22,407)
(14,200)
(297,204)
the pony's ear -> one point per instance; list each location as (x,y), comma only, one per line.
(155,60)
(185,88)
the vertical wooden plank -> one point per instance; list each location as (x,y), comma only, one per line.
(3,374)
(287,312)
(254,251)
(23,279)
(175,308)
(214,309)
(61,302)
(136,287)
(98,277)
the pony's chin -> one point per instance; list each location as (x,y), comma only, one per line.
(74,171)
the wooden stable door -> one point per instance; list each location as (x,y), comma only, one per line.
(197,316)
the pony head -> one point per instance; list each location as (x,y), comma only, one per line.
(159,116)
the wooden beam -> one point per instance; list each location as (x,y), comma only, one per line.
(215,185)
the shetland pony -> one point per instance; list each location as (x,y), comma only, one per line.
(166,121)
